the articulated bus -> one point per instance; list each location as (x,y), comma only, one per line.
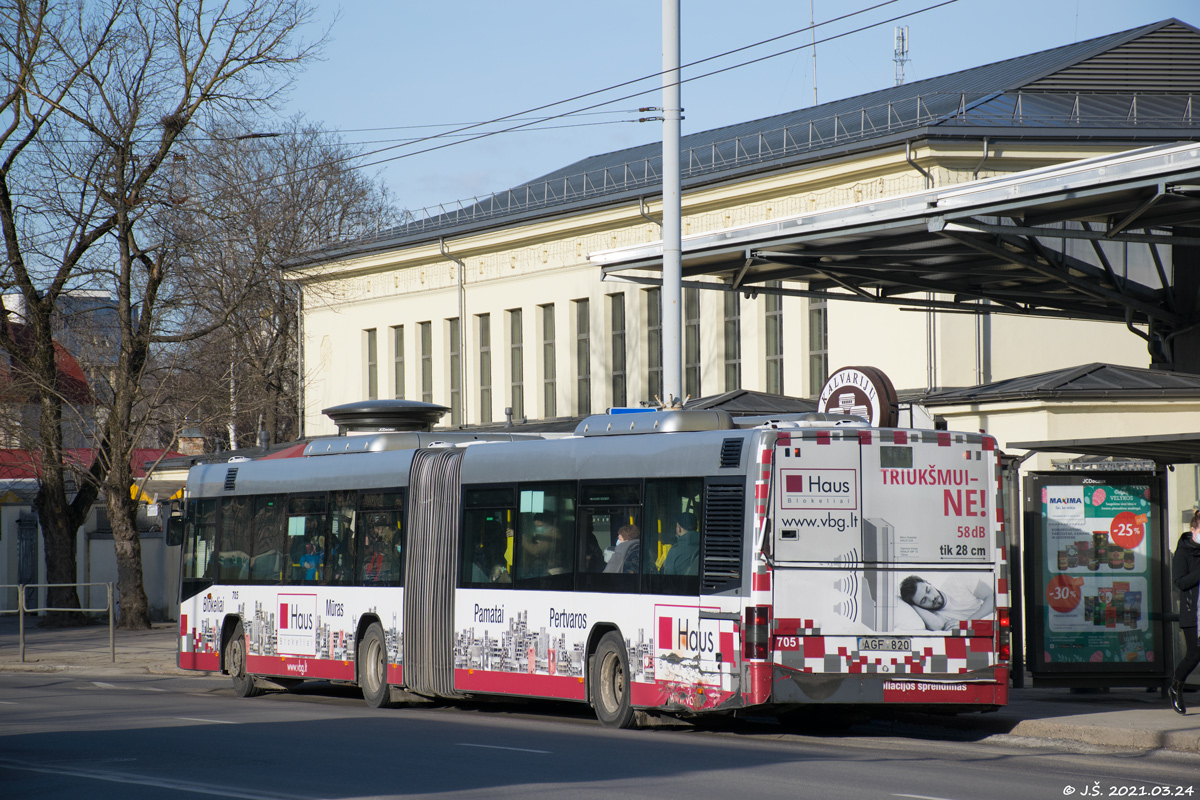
(674,562)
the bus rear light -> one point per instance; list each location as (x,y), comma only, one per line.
(756,632)
(1002,633)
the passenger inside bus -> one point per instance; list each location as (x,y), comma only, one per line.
(488,564)
(382,561)
(339,560)
(310,562)
(684,557)
(592,557)
(307,550)
(627,556)
(542,550)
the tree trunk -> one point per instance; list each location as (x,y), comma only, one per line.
(60,537)
(59,518)
(60,521)
(135,607)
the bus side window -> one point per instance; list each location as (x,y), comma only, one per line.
(377,548)
(305,534)
(671,543)
(486,538)
(269,537)
(337,561)
(233,559)
(199,546)
(544,557)
(489,519)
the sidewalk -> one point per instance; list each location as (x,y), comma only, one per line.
(1131,719)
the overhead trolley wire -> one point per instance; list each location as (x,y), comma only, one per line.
(464,129)
(463,133)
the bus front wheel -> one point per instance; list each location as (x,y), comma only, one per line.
(372,668)
(610,683)
(235,664)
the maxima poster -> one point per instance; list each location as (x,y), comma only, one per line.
(1095,572)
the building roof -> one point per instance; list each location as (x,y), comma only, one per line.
(1134,85)
(24,464)
(746,403)
(71,383)
(1086,383)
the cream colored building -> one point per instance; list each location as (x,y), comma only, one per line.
(501,303)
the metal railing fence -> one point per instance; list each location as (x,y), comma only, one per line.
(850,123)
(23,609)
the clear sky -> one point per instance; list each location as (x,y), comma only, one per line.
(395,70)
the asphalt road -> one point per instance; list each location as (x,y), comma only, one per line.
(69,736)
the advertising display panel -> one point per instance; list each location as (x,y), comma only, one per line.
(1094,573)
(896,531)
(934,495)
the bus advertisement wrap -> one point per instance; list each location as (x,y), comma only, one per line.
(663,564)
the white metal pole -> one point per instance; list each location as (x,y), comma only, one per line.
(112,636)
(21,620)
(299,362)
(672,272)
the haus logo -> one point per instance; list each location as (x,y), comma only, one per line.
(817,489)
(297,624)
(682,635)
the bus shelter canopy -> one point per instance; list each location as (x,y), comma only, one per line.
(1048,242)
(1163,450)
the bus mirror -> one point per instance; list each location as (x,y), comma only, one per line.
(174,532)
(174,528)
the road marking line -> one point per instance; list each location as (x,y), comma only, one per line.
(8,703)
(211,721)
(103,685)
(919,797)
(162,783)
(498,747)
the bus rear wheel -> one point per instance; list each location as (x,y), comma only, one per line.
(372,668)
(610,683)
(235,664)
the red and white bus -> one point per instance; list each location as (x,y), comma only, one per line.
(678,562)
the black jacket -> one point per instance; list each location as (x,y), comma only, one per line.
(1185,574)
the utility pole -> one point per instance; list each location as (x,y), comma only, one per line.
(672,226)
(812,27)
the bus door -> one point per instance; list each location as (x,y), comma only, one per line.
(671,554)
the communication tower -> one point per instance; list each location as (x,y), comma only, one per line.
(901,53)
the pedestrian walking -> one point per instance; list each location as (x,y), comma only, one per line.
(1185,574)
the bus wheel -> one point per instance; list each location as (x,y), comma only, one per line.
(372,668)
(610,683)
(235,664)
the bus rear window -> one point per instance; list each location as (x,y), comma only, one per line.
(895,457)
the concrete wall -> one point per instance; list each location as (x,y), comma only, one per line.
(96,563)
